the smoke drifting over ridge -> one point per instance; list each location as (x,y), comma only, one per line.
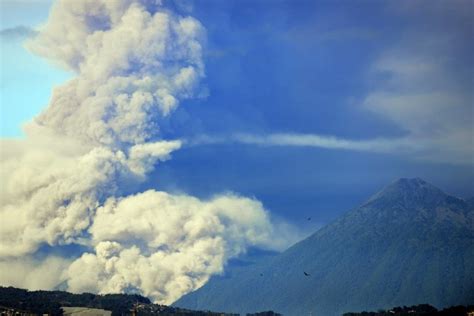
(73,180)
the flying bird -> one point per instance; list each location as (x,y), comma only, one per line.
(305,273)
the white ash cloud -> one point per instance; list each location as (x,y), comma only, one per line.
(50,197)
(175,240)
(74,179)
(31,273)
(133,68)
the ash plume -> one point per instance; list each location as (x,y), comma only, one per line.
(73,180)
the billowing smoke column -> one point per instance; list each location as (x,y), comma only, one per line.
(135,62)
(73,180)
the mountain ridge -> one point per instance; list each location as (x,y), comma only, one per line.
(409,243)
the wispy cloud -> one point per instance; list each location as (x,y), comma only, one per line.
(381,145)
(446,149)
(329,142)
(419,85)
(17,33)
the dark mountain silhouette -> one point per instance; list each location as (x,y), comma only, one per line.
(419,310)
(409,244)
(14,301)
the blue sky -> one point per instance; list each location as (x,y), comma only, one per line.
(26,80)
(304,67)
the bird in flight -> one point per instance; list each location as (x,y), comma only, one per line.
(305,273)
